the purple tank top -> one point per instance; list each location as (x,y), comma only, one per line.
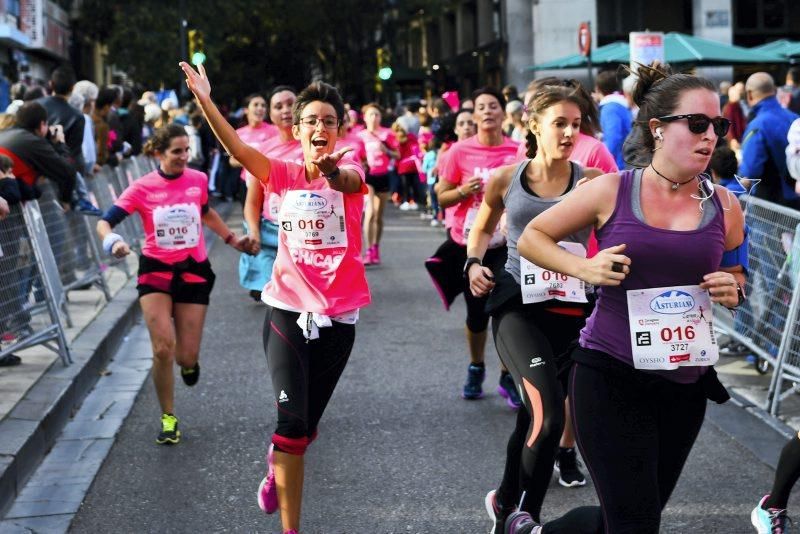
(659,258)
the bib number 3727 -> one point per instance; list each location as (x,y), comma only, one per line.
(672,327)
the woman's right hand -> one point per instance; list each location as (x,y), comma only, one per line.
(120,249)
(609,267)
(255,243)
(197,82)
(481,280)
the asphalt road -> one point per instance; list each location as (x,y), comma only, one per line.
(399,451)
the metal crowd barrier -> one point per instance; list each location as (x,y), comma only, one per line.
(32,299)
(45,252)
(767,323)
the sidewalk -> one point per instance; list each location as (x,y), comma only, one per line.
(39,396)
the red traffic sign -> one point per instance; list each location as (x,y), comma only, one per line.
(584,39)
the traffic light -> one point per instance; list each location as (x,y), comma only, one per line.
(197,47)
(384,60)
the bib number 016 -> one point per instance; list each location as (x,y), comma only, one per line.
(311,224)
(678,333)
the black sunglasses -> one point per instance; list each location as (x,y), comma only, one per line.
(698,123)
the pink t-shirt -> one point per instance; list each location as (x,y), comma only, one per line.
(171,211)
(379,161)
(588,151)
(318,267)
(440,164)
(255,137)
(466,159)
(275,148)
(354,141)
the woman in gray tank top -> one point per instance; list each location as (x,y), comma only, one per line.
(535,315)
(638,395)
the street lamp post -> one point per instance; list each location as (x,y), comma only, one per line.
(184,91)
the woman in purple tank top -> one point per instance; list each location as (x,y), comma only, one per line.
(643,370)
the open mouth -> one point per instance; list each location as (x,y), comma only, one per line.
(319,143)
(704,151)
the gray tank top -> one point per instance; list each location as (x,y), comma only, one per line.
(522,205)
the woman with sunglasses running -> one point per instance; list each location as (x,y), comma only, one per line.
(533,311)
(318,283)
(644,369)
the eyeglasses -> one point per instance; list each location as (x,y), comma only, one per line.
(698,123)
(330,123)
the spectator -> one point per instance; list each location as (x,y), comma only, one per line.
(116,144)
(734,112)
(130,124)
(793,88)
(615,117)
(765,141)
(152,114)
(60,112)
(510,93)
(516,128)
(34,93)
(196,157)
(88,91)
(12,314)
(724,167)
(793,153)
(408,121)
(102,108)
(724,87)
(29,147)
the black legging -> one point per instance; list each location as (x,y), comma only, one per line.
(528,339)
(304,374)
(477,316)
(635,431)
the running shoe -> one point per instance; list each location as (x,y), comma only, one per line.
(255,295)
(369,259)
(169,435)
(405,206)
(769,521)
(569,474)
(508,391)
(435,223)
(496,513)
(396,199)
(473,389)
(267,490)
(521,523)
(191,376)
(376,254)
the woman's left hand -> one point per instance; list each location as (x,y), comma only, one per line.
(722,288)
(327,163)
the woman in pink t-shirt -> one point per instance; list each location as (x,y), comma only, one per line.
(261,206)
(257,130)
(175,276)
(381,148)
(318,283)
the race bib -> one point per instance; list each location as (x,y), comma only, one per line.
(177,226)
(539,285)
(497,240)
(313,220)
(672,327)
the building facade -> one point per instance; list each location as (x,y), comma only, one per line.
(467,43)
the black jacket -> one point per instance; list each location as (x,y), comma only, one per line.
(35,156)
(73,122)
(9,190)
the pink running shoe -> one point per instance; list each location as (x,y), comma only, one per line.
(376,254)
(267,490)
(368,257)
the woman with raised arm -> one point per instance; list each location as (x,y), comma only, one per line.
(644,369)
(175,276)
(318,283)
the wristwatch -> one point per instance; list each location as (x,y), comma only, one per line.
(332,176)
(470,261)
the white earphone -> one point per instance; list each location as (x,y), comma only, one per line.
(659,136)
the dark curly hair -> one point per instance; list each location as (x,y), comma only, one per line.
(161,138)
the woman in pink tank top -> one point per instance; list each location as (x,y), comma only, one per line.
(318,283)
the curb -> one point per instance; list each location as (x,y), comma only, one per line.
(31,428)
